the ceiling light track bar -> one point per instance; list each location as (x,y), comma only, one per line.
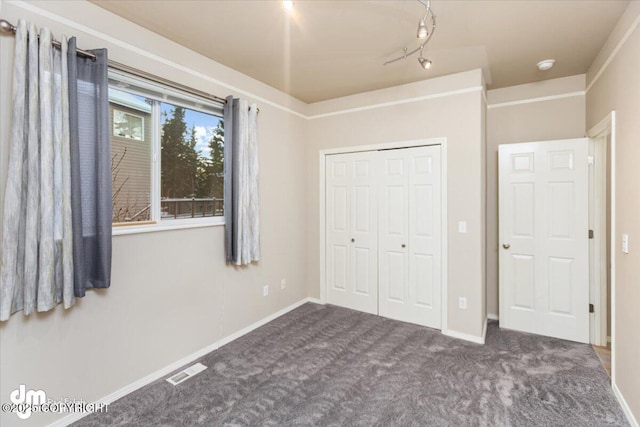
(423,32)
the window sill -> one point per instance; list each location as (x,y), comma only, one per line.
(166,226)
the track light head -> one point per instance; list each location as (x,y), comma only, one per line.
(422,30)
(424,63)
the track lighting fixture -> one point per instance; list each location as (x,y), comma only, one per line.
(422,30)
(426,27)
(424,62)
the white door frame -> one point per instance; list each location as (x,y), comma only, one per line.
(442,142)
(606,127)
(598,243)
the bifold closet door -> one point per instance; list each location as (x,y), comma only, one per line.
(410,235)
(351,231)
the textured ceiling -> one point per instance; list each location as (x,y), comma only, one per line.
(327,49)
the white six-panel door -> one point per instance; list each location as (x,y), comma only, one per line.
(410,235)
(383,233)
(352,231)
(544,259)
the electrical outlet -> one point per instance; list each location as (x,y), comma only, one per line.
(283,284)
(462,303)
(265,290)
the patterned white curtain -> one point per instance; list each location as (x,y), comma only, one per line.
(242,202)
(37,257)
(44,244)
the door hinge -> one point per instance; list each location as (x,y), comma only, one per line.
(591,308)
(591,234)
(591,160)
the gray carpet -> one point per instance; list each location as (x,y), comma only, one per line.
(329,366)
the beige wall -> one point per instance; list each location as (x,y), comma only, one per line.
(458,117)
(618,88)
(517,114)
(171,293)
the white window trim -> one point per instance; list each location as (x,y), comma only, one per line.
(177,224)
(157,224)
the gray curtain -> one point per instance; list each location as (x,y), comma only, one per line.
(241,198)
(56,227)
(229,188)
(90,169)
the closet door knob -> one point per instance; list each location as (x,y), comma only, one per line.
(353,240)
(506,245)
(404,246)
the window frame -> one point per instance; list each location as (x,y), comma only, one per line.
(161,94)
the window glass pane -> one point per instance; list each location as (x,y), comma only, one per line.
(128,125)
(192,182)
(131,141)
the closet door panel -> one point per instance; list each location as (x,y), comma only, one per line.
(410,230)
(351,231)
(364,230)
(337,230)
(393,232)
(425,207)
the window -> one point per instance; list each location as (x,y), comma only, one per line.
(131,166)
(167,155)
(127,125)
(192,163)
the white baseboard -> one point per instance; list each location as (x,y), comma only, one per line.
(71,418)
(262,322)
(627,411)
(467,337)
(492,316)
(315,301)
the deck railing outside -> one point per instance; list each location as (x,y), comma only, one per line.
(191,208)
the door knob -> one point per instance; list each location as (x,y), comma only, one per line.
(353,240)
(506,245)
(404,246)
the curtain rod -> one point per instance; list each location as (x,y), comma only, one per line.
(166,82)
(7,27)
